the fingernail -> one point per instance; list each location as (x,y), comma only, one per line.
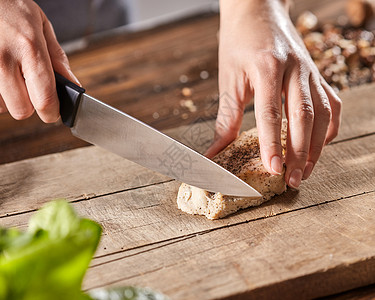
(277,164)
(295,178)
(308,169)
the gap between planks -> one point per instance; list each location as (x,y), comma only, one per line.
(311,275)
(94,196)
(88,197)
(177,239)
(350,152)
(358,122)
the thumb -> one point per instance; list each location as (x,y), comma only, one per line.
(58,57)
(228,123)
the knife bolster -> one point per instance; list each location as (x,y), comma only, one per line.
(69,96)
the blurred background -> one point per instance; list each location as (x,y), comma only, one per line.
(77,19)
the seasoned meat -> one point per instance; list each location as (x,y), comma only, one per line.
(242,158)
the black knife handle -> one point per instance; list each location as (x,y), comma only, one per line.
(69,96)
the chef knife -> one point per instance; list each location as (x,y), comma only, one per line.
(102,125)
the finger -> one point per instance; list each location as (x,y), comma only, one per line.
(14,95)
(58,57)
(322,118)
(3,107)
(336,108)
(230,114)
(300,114)
(40,81)
(228,123)
(268,114)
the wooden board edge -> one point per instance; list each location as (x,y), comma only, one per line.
(342,278)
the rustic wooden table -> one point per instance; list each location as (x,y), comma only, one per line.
(315,242)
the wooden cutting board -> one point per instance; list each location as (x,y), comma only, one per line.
(317,241)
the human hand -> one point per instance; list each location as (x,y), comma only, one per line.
(262,55)
(29,52)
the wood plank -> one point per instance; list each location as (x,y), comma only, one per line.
(117,174)
(148,215)
(77,174)
(140,224)
(303,254)
(362,293)
(126,216)
(358,112)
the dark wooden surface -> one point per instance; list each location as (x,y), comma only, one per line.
(142,74)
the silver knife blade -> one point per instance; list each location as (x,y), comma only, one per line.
(122,134)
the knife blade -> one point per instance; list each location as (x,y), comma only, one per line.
(100,124)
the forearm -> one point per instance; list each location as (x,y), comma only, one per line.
(236,8)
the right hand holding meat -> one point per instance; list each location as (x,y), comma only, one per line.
(29,52)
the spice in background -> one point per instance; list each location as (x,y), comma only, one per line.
(344,54)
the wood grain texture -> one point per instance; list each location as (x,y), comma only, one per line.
(142,215)
(358,112)
(75,175)
(262,259)
(148,238)
(101,172)
(363,293)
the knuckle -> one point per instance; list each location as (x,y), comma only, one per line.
(30,48)
(272,146)
(270,114)
(325,113)
(304,112)
(336,103)
(270,63)
(301,154)
(46,104)
(61,54)
(27,41)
